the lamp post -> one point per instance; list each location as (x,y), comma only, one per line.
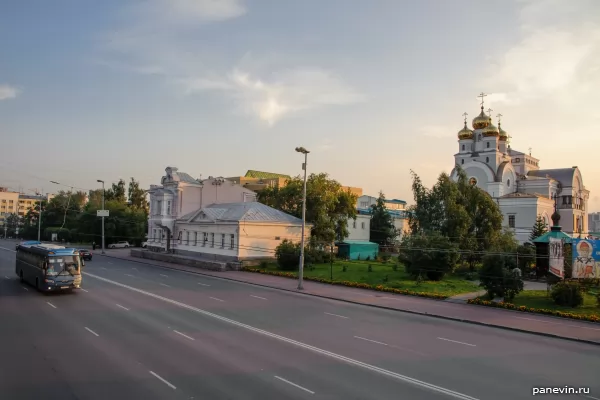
(301,263)
(102,182)
(40,219)
(217,182)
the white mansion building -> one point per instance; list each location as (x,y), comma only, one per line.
(514,179)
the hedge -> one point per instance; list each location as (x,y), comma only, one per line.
(380,288)
(545,311)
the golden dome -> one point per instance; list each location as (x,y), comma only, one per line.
(490,130)
(465,133)
(481,121)
(502,133)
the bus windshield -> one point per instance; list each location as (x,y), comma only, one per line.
(63,265)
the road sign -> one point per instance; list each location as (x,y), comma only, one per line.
(102,213)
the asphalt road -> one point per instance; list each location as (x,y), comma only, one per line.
(137,331)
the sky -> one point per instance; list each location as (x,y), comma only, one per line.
(117,89)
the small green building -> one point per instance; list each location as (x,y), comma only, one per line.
(357,249)
(542,259)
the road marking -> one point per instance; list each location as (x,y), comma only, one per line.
(327,353)
(83,290)
(124,308)
(584,327)
(164,284)
(6,277)
(134,268)
(203,284)
(590,397)
(50,304)
(293,384)
(454,341)
(91,331)
(214,298)
(4,248)
(103,268)
(130,275)
(27,290)
(110,263)
(337,315)
(369,340)
(539,320)
(184,335)
(258,297)
(164,275)
(163,380)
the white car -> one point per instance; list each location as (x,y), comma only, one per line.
(144,245)
(119,245)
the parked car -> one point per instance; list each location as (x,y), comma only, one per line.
(119,245)
(85,254)
(144,245)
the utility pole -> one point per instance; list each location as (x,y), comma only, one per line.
(102,182)
(301,263)
(40,219)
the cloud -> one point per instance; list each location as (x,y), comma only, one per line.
(437,131)
(326,145)
(8,92)
(557,57)
(156,39)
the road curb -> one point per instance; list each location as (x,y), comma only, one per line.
(444,317)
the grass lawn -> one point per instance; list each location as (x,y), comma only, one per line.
(541,299)
(357,271)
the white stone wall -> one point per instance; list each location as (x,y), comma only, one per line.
(360,228)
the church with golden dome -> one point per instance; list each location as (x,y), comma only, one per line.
(514,179)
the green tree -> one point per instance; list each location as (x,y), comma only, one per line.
(328,206)
(383,230)
(539,228)
(432,255)
(497,277)
(117,192)
(137,196)
(12,223)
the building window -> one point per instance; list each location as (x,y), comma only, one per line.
(463,147)
(212,240)
(180,201)
(511,221)
(169,207)
(353,224)
(487,159)
(222,240)
(462,161)
(205,240)
(508,183)
(362,225)
(195,238)
(364,204)
(232,243)
(158,207)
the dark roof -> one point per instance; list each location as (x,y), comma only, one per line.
(563,175)
(545,238)
(265,175)
(395,201)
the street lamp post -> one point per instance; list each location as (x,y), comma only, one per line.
(102,182)
(40,220)
(301,263)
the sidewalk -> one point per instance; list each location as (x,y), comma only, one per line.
(505,319)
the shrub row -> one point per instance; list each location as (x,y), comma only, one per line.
(556,313)
(380,288)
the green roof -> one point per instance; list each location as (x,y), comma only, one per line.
(265,175)
(545,238)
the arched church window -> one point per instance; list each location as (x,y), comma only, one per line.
(487,159)
(488,145)
(463,147)
(508,183)
(479,137)
(473,181)
(462,161)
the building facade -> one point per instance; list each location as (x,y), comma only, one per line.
(515,181)
(9,203)
(396,208)
(594,222)
(179,194)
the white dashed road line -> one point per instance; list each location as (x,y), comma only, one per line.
(27,290)
(323,352)
(183,334)
(214,298)
(454,341)
(369,340)
(336,315)
(91,331)
(164,284)
(83,290)
(124,308)
(164,275)
(258,297)
(50,304)
(130,275)
(199,283)
(163,380)
(294,385)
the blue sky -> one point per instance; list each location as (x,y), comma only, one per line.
(113,89)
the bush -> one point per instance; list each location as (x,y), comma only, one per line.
(432,254)
(497,279)
(567,294)
(287,255)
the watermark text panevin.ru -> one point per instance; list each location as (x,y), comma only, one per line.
(560,390)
